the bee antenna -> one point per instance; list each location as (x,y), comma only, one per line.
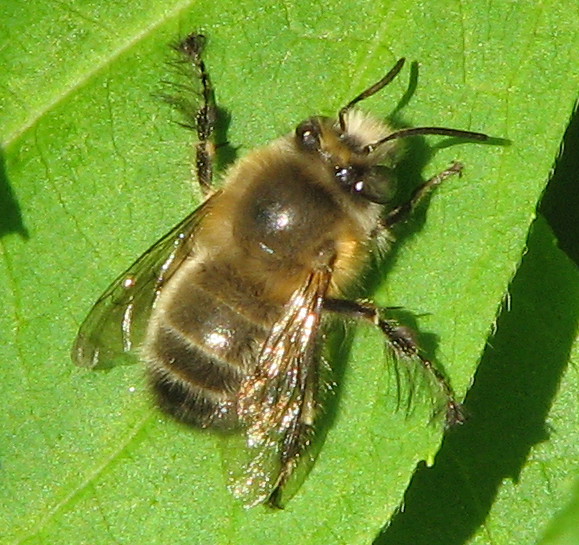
(372,90)
(403,133)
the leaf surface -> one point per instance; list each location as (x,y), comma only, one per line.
(94,171)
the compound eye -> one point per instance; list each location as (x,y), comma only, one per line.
(308,135)
(345,176)
(378,185)
(375,184)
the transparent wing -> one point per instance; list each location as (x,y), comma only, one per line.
(117,321)
(277,404)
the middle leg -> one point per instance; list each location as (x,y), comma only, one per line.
(401,341)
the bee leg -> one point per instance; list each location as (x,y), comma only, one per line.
(401,341)
(401,212)
(206,116)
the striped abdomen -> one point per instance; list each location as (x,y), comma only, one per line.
(204,337)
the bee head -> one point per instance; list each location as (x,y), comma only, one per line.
(347,154)
(355,145)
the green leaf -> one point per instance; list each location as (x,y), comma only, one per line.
(511,468)
(562,529)
(94,172)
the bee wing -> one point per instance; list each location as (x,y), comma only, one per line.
(277,403)
(119,317)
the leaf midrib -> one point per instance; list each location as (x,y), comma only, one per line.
(89,75)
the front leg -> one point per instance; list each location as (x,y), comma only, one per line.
(402,212)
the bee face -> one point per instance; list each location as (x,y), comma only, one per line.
(344,152)
(227,310)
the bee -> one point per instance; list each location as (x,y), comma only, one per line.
(228,310)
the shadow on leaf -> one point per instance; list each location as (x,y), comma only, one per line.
(508,405)
(10,215)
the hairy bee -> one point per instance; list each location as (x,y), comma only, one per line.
(227,309)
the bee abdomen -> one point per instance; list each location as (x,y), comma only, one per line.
(199,350)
